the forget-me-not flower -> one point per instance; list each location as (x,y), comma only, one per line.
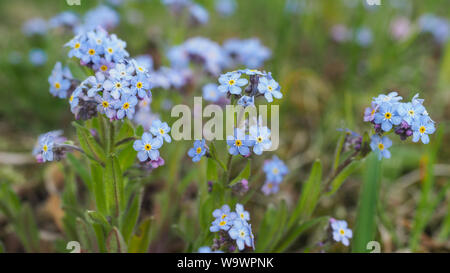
(239,143)
(224,219)
(198,150)
(261,136)
(422,127)
(275,170)
(387,116)
(126,106)
(269,88)
(147,147)
(241,233)
(380,145)
(231,82)
(161,130)
(341,233)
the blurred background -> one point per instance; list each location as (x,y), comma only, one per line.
(330,58)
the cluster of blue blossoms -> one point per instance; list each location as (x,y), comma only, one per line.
(258,84)
(405,119)
(118,84)
(275,171)
(235,224)
(249,52)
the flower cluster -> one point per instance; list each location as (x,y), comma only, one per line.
(198,14)
(405,119)
(249,52)
(150,143)
(200,50)
(340,231)
(275,170)
(439,27)
(258,84)
(235,224)
(97,49)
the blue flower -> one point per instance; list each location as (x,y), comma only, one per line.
(410,111)
(387,116)
(231,82)
(380,145)
(239,143)
(269,88)
(74,99)
(140,85)
(240,231)
(106,105)
(37,56)
(341,233)
(161,130)
(95,83)
(241,213)
(270,188)
(147,147)
(391,97)
(92,52)
(246,101)
(46,147)
(210,92)
(117,87)
(126,106)
(224,219)
(422,127)
(261,136)
(59,81)
(225,7)
(77,46)
(199,14)
(275,170)
(198,150)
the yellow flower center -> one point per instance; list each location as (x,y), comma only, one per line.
(105,104)
(275,171)
(57,85)
(388,115)
(45,148)
(126,105)
(223,216)
(199,150)
(270,88)
(381,146)
(341,231)
(91,51)
(77,46)
(110,50)
(161,131)
(139,85)
(373,112)
(231,82)
(148,147)
(238,143)
(411,112)
(259,139)
(422,129)
(141,69)
(242,216)
(242,234)
(71,98)
(269,185)
(222,223)
(103,67)
(118,85)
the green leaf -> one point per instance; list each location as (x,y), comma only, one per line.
(244,174)
(98,218)
(130,216)
(140,242)
(127,156)
(366,215)
(97,172)
(115,242)
(309,195)
(211,171)
(297,231)
(342,176)
(27,229)
(89,144)
(114,187)
(85,234)
(81,171)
